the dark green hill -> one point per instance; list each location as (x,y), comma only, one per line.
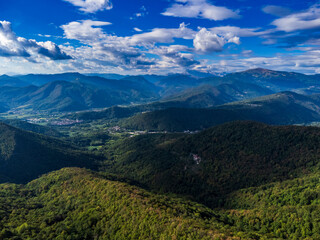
(114,112)
(279,109)
(180,119)
(202,97)
(45,130)
(217,161)
(26,155)
(76,204)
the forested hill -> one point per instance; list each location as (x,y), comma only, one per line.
(73,203)
(45,130)
(204,96)
(279,210)
(279,109)
(79,204)
(180,119)
(26,155)
(217,161)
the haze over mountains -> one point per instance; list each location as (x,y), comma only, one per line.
(74,91)
(279,109)
(249,95)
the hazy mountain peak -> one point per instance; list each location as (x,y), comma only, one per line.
(259,70)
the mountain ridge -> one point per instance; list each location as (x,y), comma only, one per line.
(215,162)
(279,109)
(25,155)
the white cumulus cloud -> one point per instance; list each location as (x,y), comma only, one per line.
(237,31)
(14,46)
(84,30)
(309,19)
(162,35)
(91,6)
(199,9)
(9,44)
(137,29)
(172,56)
(206,41)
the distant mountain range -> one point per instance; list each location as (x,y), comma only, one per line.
(274,80)
(279,109)
(75,91)
(7,81)
(204,96)
(208,96)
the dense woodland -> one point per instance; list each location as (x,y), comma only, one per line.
(181,158)
(77,204)
(231,156)
(183,185)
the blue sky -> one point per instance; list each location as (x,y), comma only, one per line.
(158,36)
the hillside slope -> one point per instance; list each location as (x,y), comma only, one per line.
(45,130)
(76,204)
(217,161)
(204,96)
(275,80)
(279,109)
(65,96)
(180,119)
(71,96)
(284,210)
(26,155)
(217,95)
(73,91)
